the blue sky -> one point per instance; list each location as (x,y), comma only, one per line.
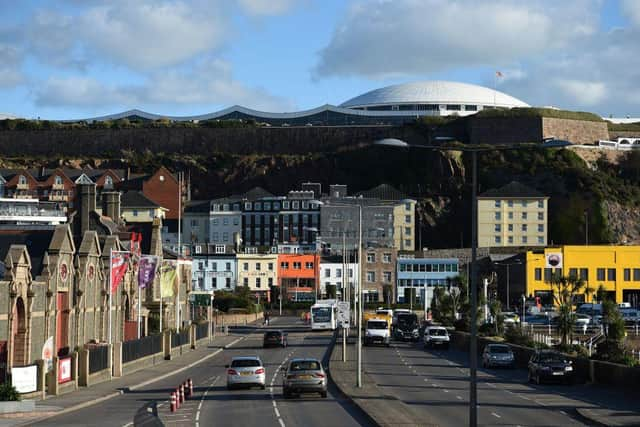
(64,59)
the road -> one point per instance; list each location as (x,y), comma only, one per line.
(436,382)
(215,405)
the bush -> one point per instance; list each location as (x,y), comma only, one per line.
(8,393)
(517,337)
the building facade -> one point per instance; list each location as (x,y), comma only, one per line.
(424,275)
(214,267)
(258,272)
(298,276)
(379,274)
(334,272)
(615,267)
(213,221)
(513,215)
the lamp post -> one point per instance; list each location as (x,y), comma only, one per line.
(473,342)
(509,264)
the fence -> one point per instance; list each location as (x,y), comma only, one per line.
(202,330)
(179,338)
(136,349)
(98,358)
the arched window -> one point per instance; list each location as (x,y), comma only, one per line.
(58,180)
(22,180)
(108,182)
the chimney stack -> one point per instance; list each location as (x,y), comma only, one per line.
(85,204)
(111,205)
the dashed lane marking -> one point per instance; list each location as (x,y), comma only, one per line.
(496,415)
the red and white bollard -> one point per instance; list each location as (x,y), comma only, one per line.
(177,392)
(190,388)
(173,401)
(181,393)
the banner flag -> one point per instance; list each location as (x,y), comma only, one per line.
(168,276)
(119,264)
(147,267)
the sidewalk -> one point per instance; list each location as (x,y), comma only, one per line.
(87,396)
(609,417)
(383,410)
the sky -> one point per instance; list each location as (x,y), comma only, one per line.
(71,59)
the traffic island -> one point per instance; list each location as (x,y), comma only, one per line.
(382,410)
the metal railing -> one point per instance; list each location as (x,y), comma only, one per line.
(202,330)
(98,358)
(179,338)
(136,349)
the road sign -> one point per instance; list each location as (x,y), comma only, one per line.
(343,314)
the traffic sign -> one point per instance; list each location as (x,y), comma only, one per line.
(343,314)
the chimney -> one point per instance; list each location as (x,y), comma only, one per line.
(85,204)
(111,205)
(156,237)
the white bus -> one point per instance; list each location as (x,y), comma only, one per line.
(324,315)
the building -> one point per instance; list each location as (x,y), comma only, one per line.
(216,221)
(136,207)
(214,267)
(298,276)
(388,105)
(334,272)
(379,274)
(424,275)
(614,267)
(257,271)
(513,215)
(30,213)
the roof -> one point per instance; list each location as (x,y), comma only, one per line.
(513,189)
(434,92)
(383,192)
(257,193)
(37,243)
(135,199)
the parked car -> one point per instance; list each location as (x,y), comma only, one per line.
(510,318)
(304,376)
(436,336)
(549,365)
(631,317)
(582,320)
(498,355)
(537,319)
(245,371)
(274,338)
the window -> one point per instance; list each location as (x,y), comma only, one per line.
(407,206)
(297,265)
(245,281)
(497,228)
(135,212)
(228,266)
(510,227)
(57,180)
(573,272)
(541,240)
(257,282)
(510,215)
(236,221)
(270,281)
(371,257)
(351,272)
(611,274)
(258,266)
(285,205)
(600,274)
(407,219)
(194,222)
(108,182)
(267,206)
(245,266)
(215,221)
(524,240)
(627,274)
(538,274)
(636,274)
(228,282)
(386,258)
(308,265)
(498,239)
(584,274)
(22,180)
(407,243)
(219,249)
(524,215)
(371,276)
(257,206)
(510,203)
(540,216)
(523,203)
(225,221)
(540,228)
(524,227)
(547,275)
(497,203)
(541,204)
(510,240)
(338,272)
(247,206)
(295,205)
(387,276)
(407,231)
(498,216)
(270,266)
(225,237)
(327,272)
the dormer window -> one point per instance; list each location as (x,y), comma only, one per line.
(58,180)
(108,182)
(22,180)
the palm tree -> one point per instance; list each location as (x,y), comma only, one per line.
(564,291)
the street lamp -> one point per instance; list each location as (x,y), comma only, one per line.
(509,264)
(473,342)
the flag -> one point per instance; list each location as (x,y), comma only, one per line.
(498,74)
(168,276)
(147,270)
(118,268)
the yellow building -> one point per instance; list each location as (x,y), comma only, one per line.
(615,267)
(257,271)
(404,230)
(136,207)
(513,215)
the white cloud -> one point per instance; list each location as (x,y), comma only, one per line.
(210,84)
(10,65)
(406,37)
(587,93)
(266,7)
(632,9)
(52,38)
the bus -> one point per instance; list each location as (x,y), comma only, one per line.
(324,315)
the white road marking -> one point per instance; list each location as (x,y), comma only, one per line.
(496,415)
(128,425)
(445,390)
(459,397)
(563,413)
(204,395)
(281,422)
(277,412)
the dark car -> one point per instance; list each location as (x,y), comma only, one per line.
(274,339)
(550,365)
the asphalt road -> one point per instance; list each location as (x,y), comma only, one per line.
(437,383)
(213,404)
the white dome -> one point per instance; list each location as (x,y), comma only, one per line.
(434,93)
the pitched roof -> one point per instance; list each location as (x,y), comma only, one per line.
(383,192)
(135,199)
(257,193)
(513,189)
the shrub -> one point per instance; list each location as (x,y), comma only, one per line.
(8,393)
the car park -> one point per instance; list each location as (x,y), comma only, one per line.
(498,355)
(549,365)
(303,375)
(274,339)
(245,371)
(436,336)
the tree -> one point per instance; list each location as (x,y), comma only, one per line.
(495,307)
(612,348)
(331,291)
(565,289)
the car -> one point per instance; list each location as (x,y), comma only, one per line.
(549,365)
(377,332)
(582,320)
(498,355)
(436,336)
(510,318)
(304,375)
(245,371)
(274,338)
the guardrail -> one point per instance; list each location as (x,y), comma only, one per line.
(136,349)
(202,330)
(98,358)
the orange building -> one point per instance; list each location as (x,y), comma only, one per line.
(298,276)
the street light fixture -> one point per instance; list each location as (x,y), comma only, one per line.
(473,342)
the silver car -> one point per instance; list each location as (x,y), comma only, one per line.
(245,371)
(304,376)
(498,355)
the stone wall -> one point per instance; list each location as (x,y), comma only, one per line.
(504,130)
(576,131)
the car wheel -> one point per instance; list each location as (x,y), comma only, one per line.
(323,394)
(263,386)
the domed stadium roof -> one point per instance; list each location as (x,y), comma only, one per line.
(434,92)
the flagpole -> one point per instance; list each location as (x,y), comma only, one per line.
(160,296)
(110,284)
(179,247)
(139,308)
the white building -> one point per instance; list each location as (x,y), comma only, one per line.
(214,268)
(212,221)
(332,272)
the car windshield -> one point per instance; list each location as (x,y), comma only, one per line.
(551,358)
(245,363)
(305,365)
(438,332)
(274,334)
(407,320)
(499,349)
(321,314)
(377,325)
